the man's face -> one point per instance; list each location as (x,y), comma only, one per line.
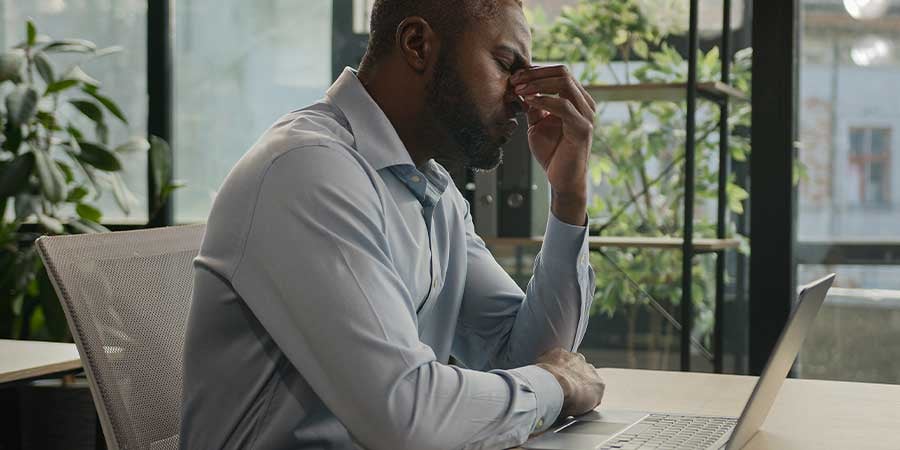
(470,95)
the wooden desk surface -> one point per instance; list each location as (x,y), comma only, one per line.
(21,360)
(807,414)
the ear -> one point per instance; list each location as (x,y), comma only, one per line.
(417,41)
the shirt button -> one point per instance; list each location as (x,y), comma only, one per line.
(436,283)
(415,179)
(540,423)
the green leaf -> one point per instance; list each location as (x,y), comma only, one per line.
(77,194)
(621,37)
(97,155)
(88,212)
(40,39)
(133,145)
(110,105)
(53,182)
(11,64)
(44,67)
(87,227)
(76,73)
(75,133)
(67,172)
(640,48)
(13,134)
(122,195)
(59,86)
(48,120)
(736,196)
(88,171)
(14,175)
(30,32)
(160,158)
(21,105)
(167,190)
(102,132)
(89,109)
(70,46)
(108,51)
(799,173)
(51,223)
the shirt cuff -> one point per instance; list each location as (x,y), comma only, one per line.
(547,392)
(564,243)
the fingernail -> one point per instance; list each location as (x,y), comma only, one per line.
(521,88)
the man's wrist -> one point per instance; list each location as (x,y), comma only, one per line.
(560,379)
(547,392)
(570,207)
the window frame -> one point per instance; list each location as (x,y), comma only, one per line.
(865,159)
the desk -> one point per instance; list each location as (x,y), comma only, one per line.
(808,414)
(22,360)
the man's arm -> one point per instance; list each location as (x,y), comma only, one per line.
(502,327)
(317,274)
(499,326)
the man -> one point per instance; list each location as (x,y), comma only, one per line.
(340,270)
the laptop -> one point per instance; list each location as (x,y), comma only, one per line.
(622,429)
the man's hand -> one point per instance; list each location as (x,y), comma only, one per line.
(560,130)
(582,387)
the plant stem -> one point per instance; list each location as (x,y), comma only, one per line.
(628,186)
(613,72)
(647,186)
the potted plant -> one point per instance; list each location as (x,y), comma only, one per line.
(56,162)
(636,165)
(53,169)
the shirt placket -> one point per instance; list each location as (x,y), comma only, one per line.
(428,197)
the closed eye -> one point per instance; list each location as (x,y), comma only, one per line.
(506,67)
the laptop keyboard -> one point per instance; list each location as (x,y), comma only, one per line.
(663,431)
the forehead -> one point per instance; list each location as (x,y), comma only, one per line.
(508,28)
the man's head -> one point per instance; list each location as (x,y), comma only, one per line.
(456,57)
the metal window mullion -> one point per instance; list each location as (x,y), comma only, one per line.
(689,157)
(722,210)
(773,219)
(160,104)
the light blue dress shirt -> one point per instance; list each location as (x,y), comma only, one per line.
(335,281)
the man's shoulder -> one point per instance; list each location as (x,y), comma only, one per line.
(318,128)
(318,125)
(304,151)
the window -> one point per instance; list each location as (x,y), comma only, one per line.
(362,15)
(848,110)
(123,75)
(870,165)
(238,67)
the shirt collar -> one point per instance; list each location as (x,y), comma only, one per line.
(376,139)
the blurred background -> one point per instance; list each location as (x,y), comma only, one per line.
(230,68)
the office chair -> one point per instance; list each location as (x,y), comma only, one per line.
(126,297)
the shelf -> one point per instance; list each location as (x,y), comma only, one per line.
(673,92)
(597,242)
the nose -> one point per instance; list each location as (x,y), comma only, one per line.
(514,102)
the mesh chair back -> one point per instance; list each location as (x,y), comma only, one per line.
(126,297)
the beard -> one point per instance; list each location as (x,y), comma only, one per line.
(453,109)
